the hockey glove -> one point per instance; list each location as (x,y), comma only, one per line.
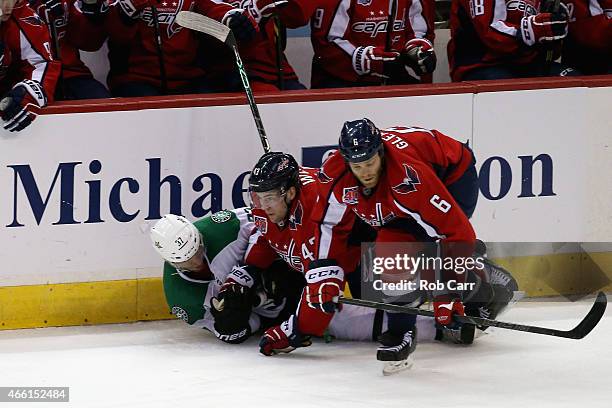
(369,60)
(133,8)
(283,339)
(93,9)
(324,282)
(445,306)
(21,105)
(544,27)
(259,9)
(232,306)
(241,22)
(420,56)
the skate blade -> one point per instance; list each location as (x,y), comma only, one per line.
(393,367)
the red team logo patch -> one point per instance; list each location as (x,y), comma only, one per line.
(261,223)
(350,195)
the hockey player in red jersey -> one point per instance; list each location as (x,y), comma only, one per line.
(137,54)
(588,46)
(76,81)
(260,57)
(495,39)
(353,47)
(410,184)
(28,73)
(284,197)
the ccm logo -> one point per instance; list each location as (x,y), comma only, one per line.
(320,275)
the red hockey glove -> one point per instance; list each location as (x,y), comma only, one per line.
(445,307)
(21,105)
(263,8)
(283,339)
(242,23)
(369,60)
(324,282)
(420,56)
(544,27)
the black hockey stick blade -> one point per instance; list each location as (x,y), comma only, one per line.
(583,328)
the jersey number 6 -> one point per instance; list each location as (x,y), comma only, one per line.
(440,204)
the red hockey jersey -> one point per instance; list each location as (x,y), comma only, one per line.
(588,46)
(484,33)
(339,26)
(305,237)
(27,52)
(72,66)
(411,194)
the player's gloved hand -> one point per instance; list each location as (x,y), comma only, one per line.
(544,27)
(133,8)
(259,9)
(53,9)
(420,56)
(93,9)
(445,307)
(283,338)
(242,23)
(324,282)
(232,306)
(369,60)
(21,105)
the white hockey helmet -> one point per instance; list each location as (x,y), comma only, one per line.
(175,238)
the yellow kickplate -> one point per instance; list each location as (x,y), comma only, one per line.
(69,304)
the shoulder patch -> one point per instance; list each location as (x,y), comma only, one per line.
(261,223)
(221,216)
(180,313)
(350,195)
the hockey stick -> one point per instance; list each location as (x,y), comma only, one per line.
(221,32)
(582,329)
(390,25)
(279,39)
(57,51)
(160,51)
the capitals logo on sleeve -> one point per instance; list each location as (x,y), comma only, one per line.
(295,219)
(408,185)
(350,195)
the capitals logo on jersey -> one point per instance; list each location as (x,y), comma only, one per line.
(295,219)
(379,219)
(261,223)
(166,14)
(350,195)
(408,185)
(286,254)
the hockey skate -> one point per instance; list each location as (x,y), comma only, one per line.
(395,351)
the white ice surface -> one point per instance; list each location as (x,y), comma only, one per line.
(168,364)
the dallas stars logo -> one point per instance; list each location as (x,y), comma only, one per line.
(408,185)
